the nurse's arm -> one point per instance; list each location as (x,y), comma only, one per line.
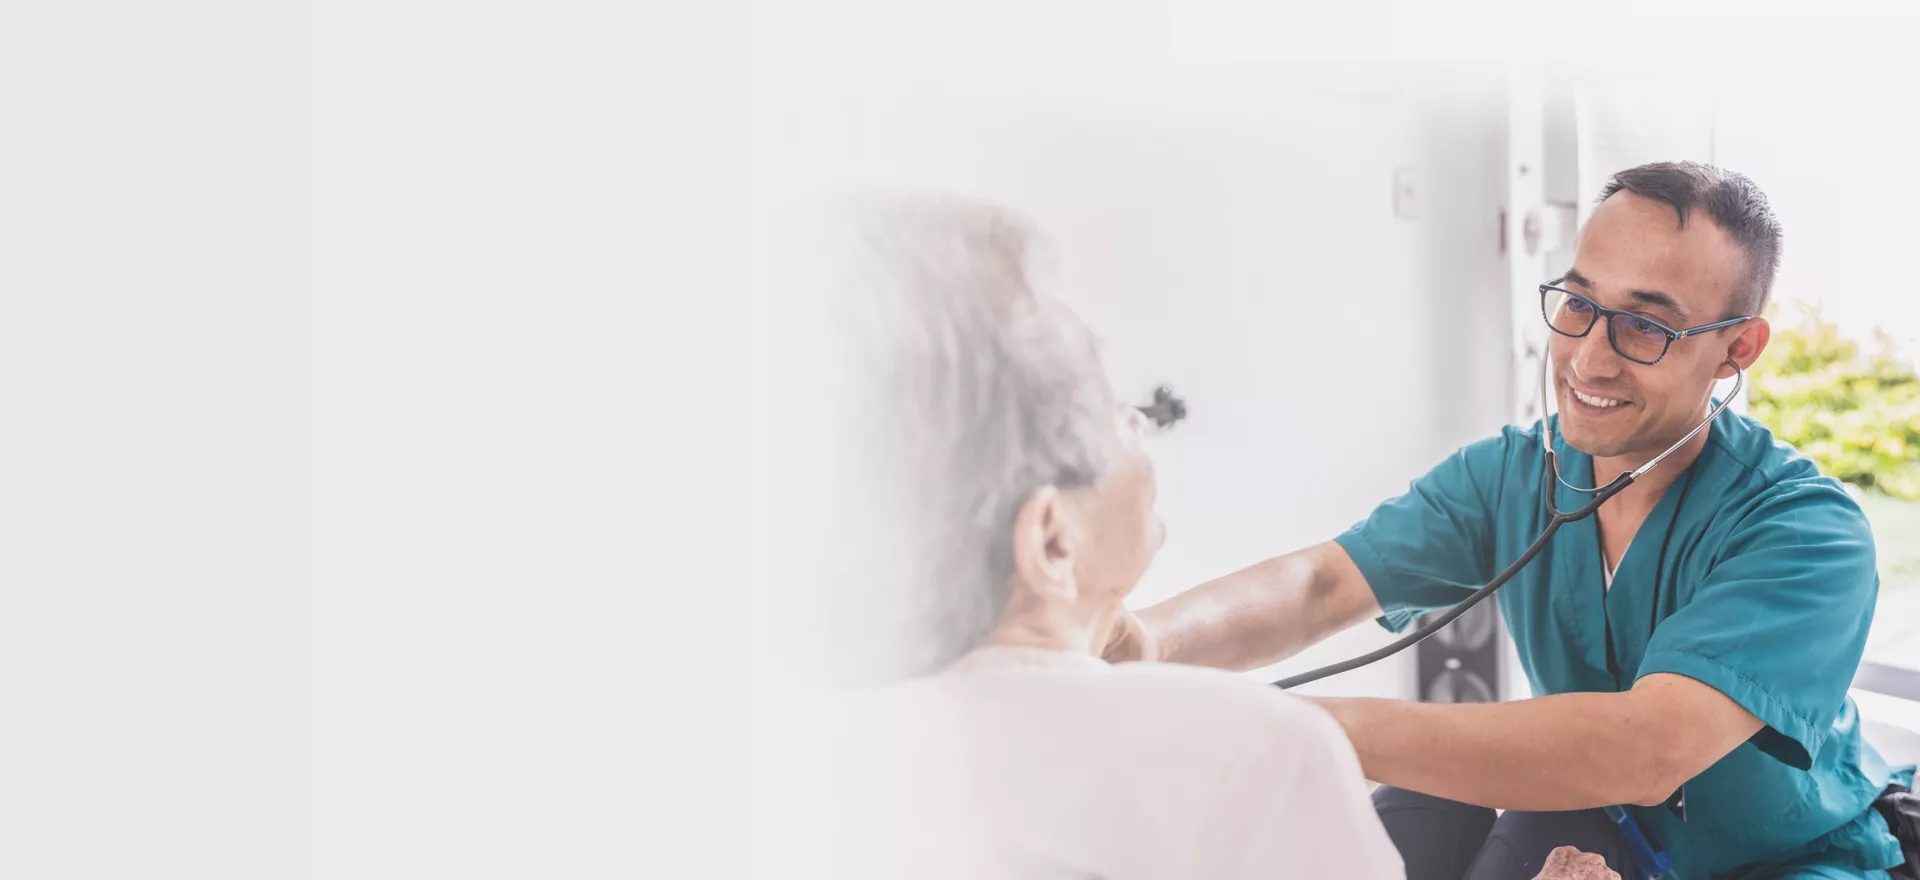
(1564,752)
(1263,614)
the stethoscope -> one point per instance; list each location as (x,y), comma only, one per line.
(1558,518)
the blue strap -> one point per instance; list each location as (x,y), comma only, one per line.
(1648,857)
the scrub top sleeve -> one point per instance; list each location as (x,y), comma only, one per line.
(1432,546)
(1781,621)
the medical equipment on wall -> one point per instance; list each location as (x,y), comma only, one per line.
(1166,409)
(1559,518)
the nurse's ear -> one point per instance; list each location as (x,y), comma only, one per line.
(1746,347)
(1045,541)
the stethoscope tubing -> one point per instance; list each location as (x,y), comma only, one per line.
(1558,519)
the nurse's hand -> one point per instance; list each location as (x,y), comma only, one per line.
(1129,642)
(1567,863)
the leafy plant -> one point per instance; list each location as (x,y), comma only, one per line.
(1855,412)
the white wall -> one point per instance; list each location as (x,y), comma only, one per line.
(153,487)
(1829,145)
(1229,227)
(403,344)
(375,460)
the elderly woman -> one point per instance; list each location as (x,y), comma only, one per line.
(1017,497)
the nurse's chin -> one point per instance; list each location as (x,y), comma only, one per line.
(1608,444)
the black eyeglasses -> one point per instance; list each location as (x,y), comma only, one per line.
(1636,337)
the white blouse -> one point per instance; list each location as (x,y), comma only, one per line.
(1029,763)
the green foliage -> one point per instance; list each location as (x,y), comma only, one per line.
(1856,413)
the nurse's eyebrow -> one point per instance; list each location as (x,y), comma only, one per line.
(1661,300)
(1647,297)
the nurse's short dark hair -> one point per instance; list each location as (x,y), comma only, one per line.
(1731,200)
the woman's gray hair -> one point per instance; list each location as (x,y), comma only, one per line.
(983,390)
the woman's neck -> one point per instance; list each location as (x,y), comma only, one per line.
(1054,625)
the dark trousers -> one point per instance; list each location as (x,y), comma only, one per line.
(1441,839)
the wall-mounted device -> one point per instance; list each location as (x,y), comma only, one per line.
(1166,409)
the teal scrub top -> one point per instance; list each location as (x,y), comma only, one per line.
(1765,594)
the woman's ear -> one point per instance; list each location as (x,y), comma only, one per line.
(1044,544)
(1746,347)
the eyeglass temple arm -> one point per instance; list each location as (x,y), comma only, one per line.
(1682,334)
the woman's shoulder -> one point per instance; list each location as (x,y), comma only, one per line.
(1251,708)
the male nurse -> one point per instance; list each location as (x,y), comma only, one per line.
(1691,643)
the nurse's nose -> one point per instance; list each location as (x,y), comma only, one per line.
(1593,356)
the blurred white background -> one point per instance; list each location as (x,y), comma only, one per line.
(398,403)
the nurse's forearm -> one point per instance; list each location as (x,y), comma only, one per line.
(1265,613)
(1567,752)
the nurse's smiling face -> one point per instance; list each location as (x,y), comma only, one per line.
(1635,256)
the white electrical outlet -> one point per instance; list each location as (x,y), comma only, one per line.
(1409,192)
